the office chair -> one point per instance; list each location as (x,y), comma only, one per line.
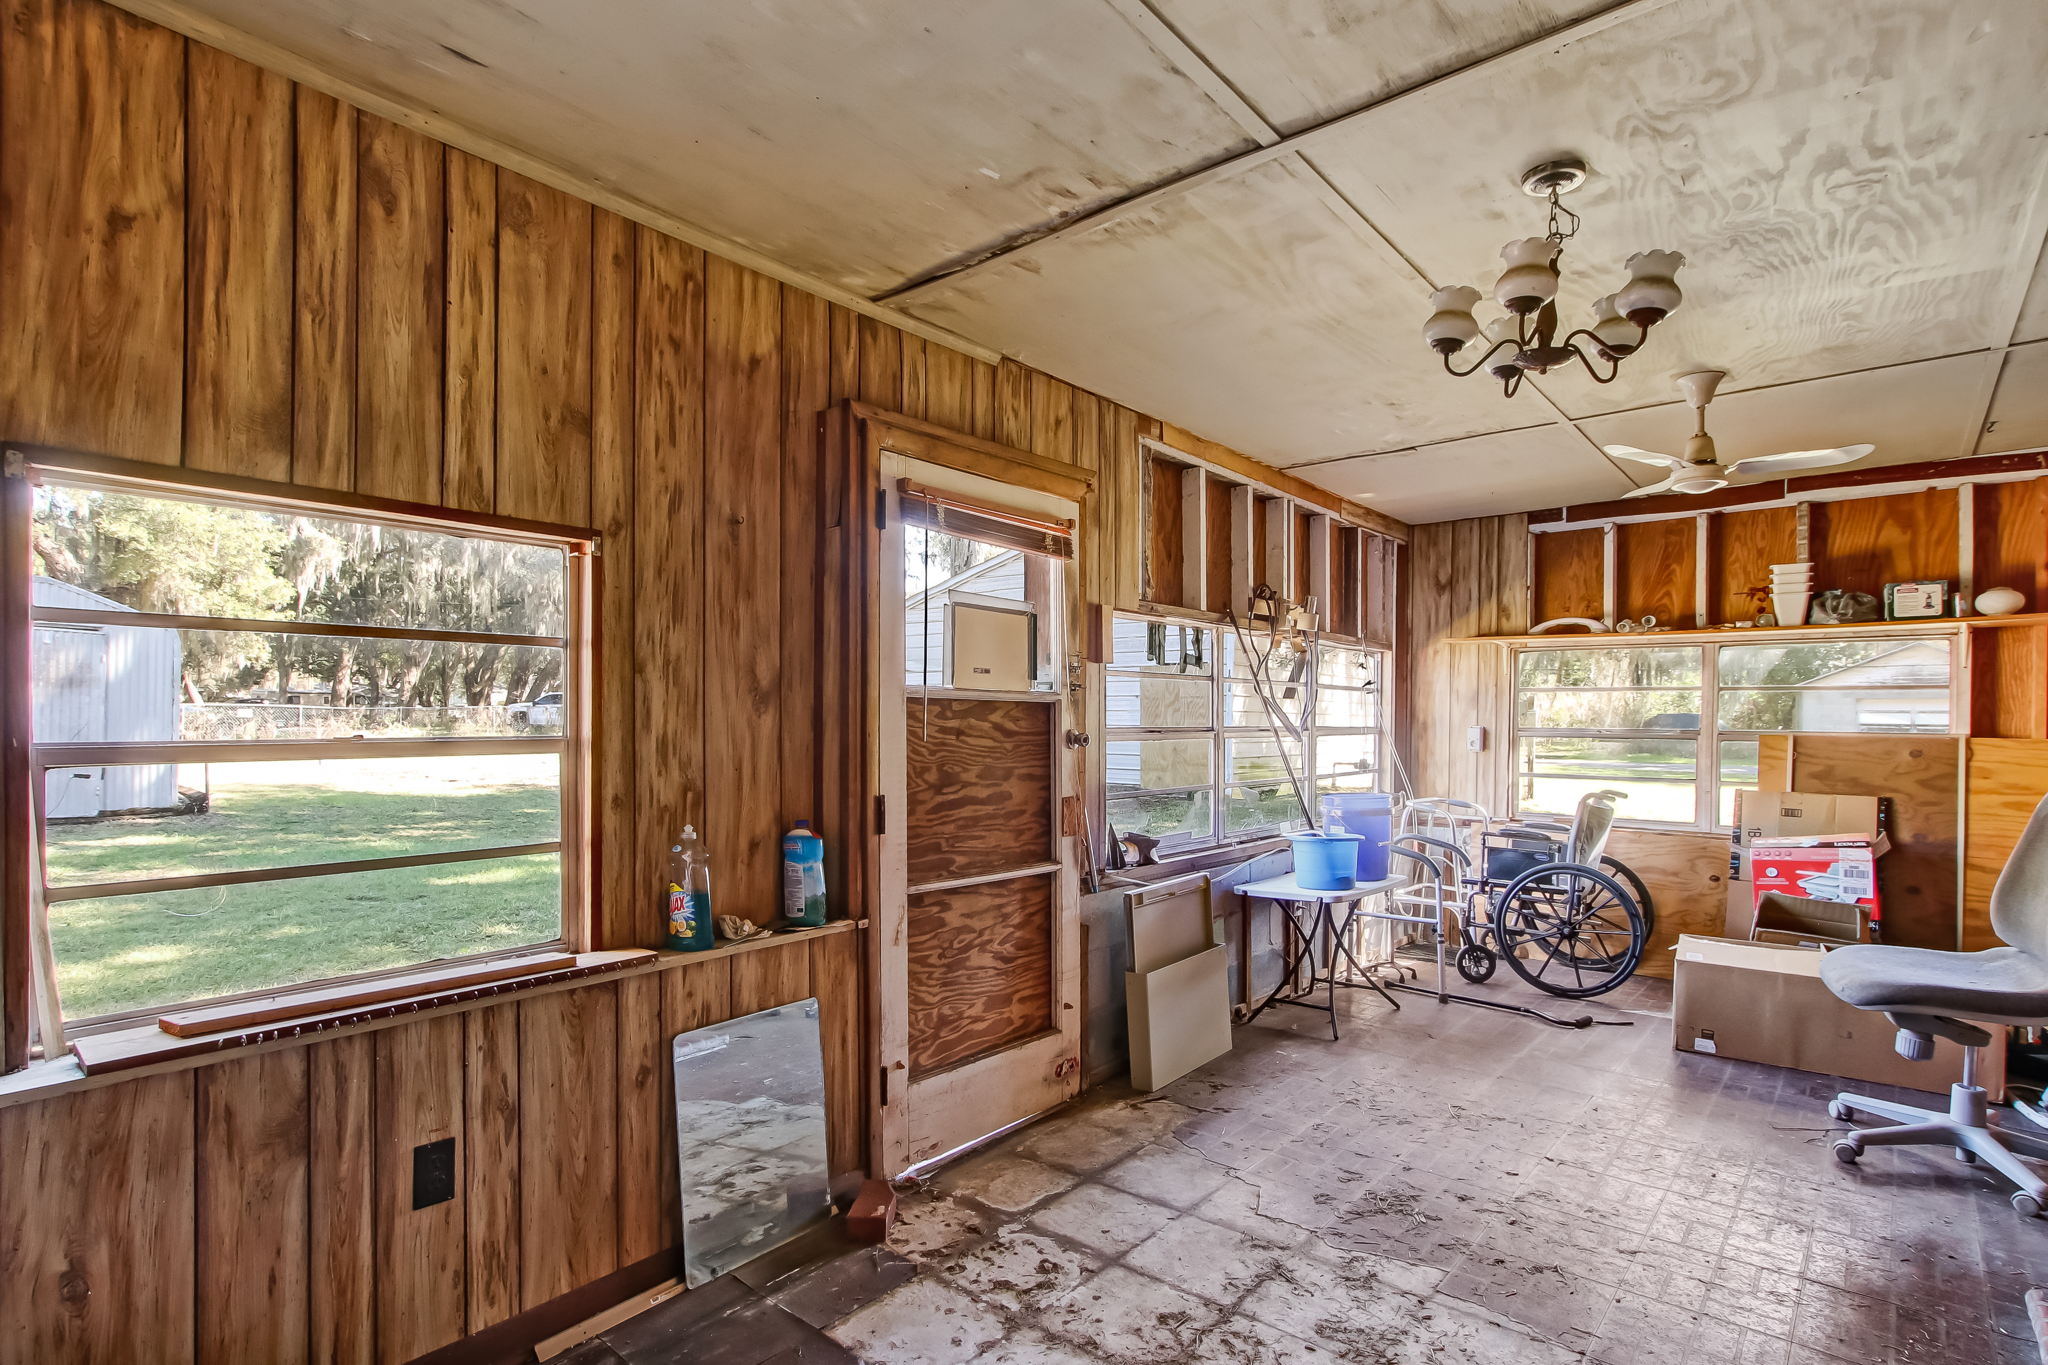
(1929,994)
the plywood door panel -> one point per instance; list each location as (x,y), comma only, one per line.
(568,1122)
(1654,570)
(978,787)
(613,494)
(238,229)
(323,287)
(544,268)
(1687,878)
(836,979)
(400,302)
(1864,543)
(1568,575)
(421,1253)
(251,1141)
(980,970)
(2007,779)
(1742,548)
(96,1225)
(341,1231)
(469,409)
(92,171)
(768,977)
(490,1112)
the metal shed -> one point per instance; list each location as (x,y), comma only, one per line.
(96,682)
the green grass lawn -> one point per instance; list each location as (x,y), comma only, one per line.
(126,952)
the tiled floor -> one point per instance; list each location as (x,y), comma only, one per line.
(1445,1185)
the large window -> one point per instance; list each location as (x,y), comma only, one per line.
(1194,756)
(1676,727)
(276,744)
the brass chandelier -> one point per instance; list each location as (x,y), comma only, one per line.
(1526,339)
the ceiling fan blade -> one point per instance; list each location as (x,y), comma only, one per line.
(1799,459)
(1645,456)
(1647,489)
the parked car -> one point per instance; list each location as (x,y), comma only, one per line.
(542,713)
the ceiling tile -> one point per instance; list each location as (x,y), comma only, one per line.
(2018,419)
(862,141)
(1811,161)
(1512,471)
(1252,309)
(1927,411)
(1300,62)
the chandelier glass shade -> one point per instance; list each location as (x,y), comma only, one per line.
(1526,339)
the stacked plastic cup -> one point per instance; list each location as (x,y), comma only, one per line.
(1791,592)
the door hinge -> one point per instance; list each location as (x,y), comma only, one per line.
(881,815)
(881,509)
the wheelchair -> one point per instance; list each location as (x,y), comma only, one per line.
(1542,896)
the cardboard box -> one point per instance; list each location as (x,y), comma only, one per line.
(1794,815)
(1765,1002)
(1808,923)
(1831,867)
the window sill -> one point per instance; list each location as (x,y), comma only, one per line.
(145,1050)
(1193,861)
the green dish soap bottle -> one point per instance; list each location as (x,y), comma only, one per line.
(689,894)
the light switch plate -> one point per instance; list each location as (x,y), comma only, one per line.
(1475,739)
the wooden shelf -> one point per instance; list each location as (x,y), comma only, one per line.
(1942,623)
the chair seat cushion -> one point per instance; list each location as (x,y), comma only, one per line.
(1999,983)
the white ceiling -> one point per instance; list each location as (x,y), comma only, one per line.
(1229,213)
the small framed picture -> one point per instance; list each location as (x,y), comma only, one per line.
(1916,601)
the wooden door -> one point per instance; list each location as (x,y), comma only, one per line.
(979,911)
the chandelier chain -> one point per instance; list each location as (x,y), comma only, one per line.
(1563,222)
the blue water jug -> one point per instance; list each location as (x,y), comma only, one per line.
(1369,815)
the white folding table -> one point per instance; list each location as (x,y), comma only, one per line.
(1312,913)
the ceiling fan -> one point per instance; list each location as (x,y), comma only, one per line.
(1699,470)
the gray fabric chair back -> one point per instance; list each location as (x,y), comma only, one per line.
(2019,903)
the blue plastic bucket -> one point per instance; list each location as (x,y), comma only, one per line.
(1325,862)
(1369,815)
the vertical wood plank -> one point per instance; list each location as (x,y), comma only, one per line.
(612,497)
(916,403)
(835,971)
(844,364)
(806,379)
(92,252)
(399,311)
(742,593)
(668,569)
(692,997)
(341,1227)
(982,385)
(420,1252)
(469,437)
(491,1130)
(949,388)
(251,1143)
(1013,404)
(238,243)
(324,290)
(543,352)
(568,1124)
(96,1218)
(881,363)
(645,1123)
(1052,418)
(768,977)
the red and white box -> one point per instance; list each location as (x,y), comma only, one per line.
(1823,867)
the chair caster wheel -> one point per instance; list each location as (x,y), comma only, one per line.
(1847,1150)
(1966,1156)
(2026,1205)
(1840,1112)
(1475,963)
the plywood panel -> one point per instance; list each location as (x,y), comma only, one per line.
(978,786)
(323,289)
(96,1225)
(568,1117)
(2008,682)
(769,977)
(469,410)
(341,1235)
(544,268)
(646,1119)
(742,582)
(400,300)
(251,1141)
(2012,538)
(1917,879)
(1864,543)
(836,979)
(1568,575)
(1216,511)
(980,969)
(1687,878)
(421,1253)
(1653,564)
(1163,533)
(491,1052)
(238,241)
(613,495)
(2008,778)
(92,170)
(1743,546)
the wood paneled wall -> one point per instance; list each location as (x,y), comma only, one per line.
(1467,578)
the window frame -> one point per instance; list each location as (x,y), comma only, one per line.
(1220,734)
(1708,736)
(24,951)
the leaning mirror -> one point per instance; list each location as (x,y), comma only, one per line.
(750,1137)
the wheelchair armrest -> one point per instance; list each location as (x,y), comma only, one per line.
(1464,860)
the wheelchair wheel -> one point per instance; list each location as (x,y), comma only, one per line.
(1475,963)
(1579,928)
(1639,893)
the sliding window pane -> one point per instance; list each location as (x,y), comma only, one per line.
(1262,806)
(192,558)
(1170,817)
(1738,773)
(1135,765)
(1283,662)
(1337,755)
(1259,760)
(1613,666)
(1162,647)
(161,948)
(1344,710)
(1347,667)
(1657,776)
(1838,710)
(1243,706)
(139,822)
(1156,701)
(1660,710)
(1837,663)
(1357,780)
